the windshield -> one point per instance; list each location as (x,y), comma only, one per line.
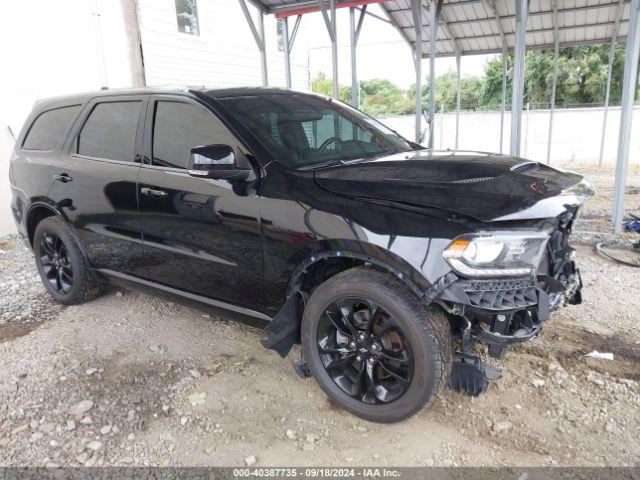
(306,131)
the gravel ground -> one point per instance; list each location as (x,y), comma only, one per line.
(131,379)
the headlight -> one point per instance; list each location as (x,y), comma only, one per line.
(496,254)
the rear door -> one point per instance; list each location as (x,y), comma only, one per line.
(200,236)
(95,181)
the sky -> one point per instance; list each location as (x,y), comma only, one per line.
(382,52)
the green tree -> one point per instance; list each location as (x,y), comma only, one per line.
(582,78)
(324,86)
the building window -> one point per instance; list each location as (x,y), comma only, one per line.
(187,16)
(280,34)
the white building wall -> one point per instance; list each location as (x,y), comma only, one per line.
(49,48)
(223,55)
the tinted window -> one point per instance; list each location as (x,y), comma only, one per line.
(306,130)
(110,131)
(178,127)
(49,129)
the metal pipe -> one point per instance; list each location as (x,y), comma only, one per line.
(434,11)
(263,52)
(526,130)
(503,103)
(522,7)
(612,54)
(457,99)
(259,38)
(554,82)
(417,20)
(626,113)
(287,53)
(102,65)
(442,126)
(334,50)
(330,22)
(354,73)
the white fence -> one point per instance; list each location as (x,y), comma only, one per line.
(576,133)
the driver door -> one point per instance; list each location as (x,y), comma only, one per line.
(199,236)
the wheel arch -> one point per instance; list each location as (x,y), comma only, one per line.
(318,264)
(339,258)
(37,212)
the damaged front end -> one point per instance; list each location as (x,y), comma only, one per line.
(506,310)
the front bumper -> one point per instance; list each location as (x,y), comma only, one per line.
(504,312)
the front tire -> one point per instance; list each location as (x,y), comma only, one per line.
(373,347)
(64,271)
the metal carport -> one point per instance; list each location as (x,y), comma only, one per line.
(467,27)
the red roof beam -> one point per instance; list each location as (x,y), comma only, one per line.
(316,8)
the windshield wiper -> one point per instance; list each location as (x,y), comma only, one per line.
(328,163)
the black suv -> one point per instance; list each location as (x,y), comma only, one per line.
(386,261)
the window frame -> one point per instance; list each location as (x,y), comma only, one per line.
(62,142)
(149,127)
(72,145)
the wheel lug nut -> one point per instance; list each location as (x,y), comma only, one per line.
(362,337)
(352,344)
(372,360)
(359,358)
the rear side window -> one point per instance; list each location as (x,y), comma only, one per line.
(178,127)
(49,129)
(110,131)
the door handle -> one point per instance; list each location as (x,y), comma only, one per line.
(150,192)
(63,177)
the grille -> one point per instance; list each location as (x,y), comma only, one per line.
(501,294)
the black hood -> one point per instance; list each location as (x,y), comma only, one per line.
(482,186)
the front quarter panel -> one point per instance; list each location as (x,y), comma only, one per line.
(302,223)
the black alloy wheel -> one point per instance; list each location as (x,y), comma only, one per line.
(373,346)
(55,262)
(63,268)
(364,350)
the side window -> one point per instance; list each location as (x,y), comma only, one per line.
(49,129)
(110,131)
(178,127)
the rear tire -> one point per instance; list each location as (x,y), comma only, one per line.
(393,356)
(63,268)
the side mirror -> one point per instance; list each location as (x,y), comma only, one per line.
(217,162)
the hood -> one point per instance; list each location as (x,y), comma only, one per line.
(486,187)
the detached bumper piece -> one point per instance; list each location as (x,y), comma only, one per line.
(509,329)
(471,377)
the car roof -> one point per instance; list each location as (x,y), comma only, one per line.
(79,98)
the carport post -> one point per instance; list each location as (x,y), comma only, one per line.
(626,114)
(288,46)
(554,83)
(612,55)
(355,35)
(416,10)
(503,103)
(333,34)
(522,10)
(457,98)
(287,53)
(258,36)
(434,16)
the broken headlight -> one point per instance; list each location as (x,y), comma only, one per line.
(496,254)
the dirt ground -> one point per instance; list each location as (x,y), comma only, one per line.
(132,379)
